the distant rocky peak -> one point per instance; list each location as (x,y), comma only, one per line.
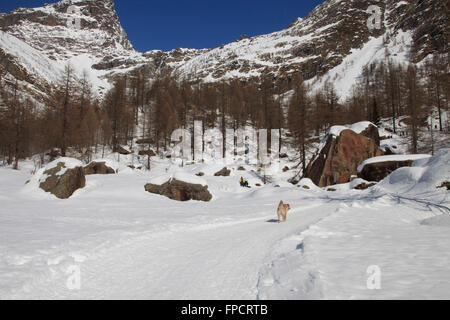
(68,27)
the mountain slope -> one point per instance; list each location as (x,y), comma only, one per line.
(333,39)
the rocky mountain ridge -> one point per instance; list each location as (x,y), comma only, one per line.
(333,40)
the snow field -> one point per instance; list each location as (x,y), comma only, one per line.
(130,244)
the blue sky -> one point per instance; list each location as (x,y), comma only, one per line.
(167,24)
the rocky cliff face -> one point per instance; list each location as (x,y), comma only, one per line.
(333,42)
(37,43)
(69,28)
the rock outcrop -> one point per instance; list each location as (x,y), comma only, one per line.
(340,157)
(377,171)
(63,182)
(223,173)
(180,190)
(444,184)
(97,168)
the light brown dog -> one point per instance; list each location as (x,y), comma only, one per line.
(282,211)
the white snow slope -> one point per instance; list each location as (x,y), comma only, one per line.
(129,244)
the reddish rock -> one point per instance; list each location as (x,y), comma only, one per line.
(340,157)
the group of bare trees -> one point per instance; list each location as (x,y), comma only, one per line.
(68,118)
(150,109)
(16,125)
(389,90)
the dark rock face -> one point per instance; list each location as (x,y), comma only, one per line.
(380,170)
(97,168)
(100,15)
(371,132)
(223,173)
(428,19)
(180,191)
(340,157)
(63,186)
(388,151)
(445,184)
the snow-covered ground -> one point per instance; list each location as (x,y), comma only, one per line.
(126,243)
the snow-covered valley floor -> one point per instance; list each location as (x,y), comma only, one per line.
(130,244)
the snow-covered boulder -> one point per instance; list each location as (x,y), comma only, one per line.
(378,168)
(365,128)
(98,167)
(425,175)
(361,184)
(307,184)
(180,187)
(61,177)
(225,172)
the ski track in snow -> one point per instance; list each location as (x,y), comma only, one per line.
(214,261)
(129,244)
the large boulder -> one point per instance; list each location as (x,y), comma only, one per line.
(380,170)
(180,191)
(376,169)
(340,157)
(62,181)
(223,173)
(97,168)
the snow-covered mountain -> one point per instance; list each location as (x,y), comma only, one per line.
(332,42)
(86,33)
